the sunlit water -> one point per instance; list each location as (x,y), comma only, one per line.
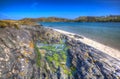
(105,33)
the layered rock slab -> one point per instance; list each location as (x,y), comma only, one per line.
(18,56)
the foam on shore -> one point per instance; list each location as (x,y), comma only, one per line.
(106,49)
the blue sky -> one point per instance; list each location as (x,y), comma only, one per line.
(17,9)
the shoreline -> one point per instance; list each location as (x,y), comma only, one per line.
(105,49)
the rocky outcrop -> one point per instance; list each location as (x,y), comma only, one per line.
(91,63)
(16,54)
(41,53)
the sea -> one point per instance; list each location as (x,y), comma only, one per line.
(107,33)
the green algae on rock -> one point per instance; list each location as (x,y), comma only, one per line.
(56,56)
(42,53)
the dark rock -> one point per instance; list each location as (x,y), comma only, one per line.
(18,57)
(90,63)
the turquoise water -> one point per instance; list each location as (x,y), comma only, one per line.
(106,33)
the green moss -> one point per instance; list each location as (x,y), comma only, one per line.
(73,69)
(63,55)
(58,56)
(66,48)
(54,58)
(61,41)
(49,48)
(45,42)
(38,58)
(67,72)
(49,58)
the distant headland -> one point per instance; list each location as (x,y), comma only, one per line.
(110,18)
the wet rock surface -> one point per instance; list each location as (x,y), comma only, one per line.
(41,53)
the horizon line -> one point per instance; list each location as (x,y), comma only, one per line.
(13,18)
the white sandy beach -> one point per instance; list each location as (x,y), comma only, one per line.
(108,50)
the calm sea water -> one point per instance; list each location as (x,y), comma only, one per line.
(105,33)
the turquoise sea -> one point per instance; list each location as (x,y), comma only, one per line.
(107,33)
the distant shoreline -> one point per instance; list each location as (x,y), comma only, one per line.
(110,18)
(106,49)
